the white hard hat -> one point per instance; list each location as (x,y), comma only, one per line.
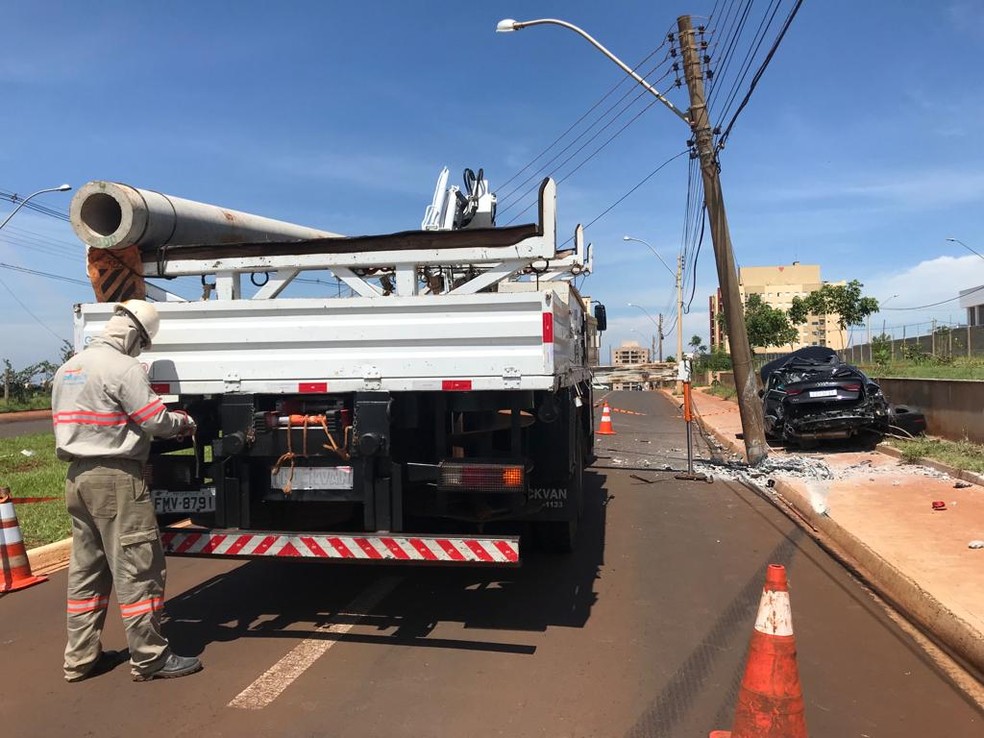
(144,315)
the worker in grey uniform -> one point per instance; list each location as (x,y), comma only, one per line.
(105,413)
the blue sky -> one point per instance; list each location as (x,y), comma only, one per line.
(859,150)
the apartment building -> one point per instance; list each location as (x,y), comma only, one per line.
(630,352)
(777,286)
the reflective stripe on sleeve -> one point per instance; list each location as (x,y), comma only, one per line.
(148,410)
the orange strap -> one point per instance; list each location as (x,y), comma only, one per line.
(116,274)
(688,413)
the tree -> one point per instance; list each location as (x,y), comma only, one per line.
(843,300)
(717,361)
(697,344)
(767,325)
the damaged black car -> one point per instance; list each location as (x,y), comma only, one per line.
(811,395)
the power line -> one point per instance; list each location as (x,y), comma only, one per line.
(761,70)
(934,304)
(35,272)
(765,23)
(28,311)
(14,198)
(617,114)
(583,116)
(618,202)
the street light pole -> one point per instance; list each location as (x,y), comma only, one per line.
(22,203)
(749,404)
(678,283)
(11,214)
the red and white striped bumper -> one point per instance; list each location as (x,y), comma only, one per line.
(398,548)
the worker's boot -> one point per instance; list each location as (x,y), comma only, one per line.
(174,666)
(107,661)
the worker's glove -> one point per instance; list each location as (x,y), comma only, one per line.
(188,426)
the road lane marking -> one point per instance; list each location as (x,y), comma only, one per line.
(281,675)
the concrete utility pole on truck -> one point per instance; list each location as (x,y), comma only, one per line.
(432,417)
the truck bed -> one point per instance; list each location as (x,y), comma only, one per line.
(485,341)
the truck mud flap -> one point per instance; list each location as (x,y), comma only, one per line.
(389,549)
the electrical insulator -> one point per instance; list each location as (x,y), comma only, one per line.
(707,58)
(673,52)
(710,74)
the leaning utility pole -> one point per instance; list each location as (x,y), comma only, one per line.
(749,403)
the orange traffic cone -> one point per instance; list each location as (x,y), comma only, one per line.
(605,429)
(16,569)
(770,702)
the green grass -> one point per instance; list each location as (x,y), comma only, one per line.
(958,454)
(722,391)
(38,475)
(927,371)
(41,402)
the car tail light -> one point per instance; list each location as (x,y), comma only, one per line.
(852,387)
(792,392)
(456,476)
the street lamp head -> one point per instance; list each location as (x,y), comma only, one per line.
(626,238)
(63,188)
(507,25)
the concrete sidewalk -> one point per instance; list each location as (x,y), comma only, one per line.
(879,513)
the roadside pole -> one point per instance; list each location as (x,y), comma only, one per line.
(749,403)
(679,291)
(661,338)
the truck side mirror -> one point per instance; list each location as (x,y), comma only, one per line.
(602,317)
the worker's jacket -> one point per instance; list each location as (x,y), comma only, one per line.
(102,403)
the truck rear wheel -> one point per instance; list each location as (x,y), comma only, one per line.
(560,536)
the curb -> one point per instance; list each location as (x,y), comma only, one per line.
(24,415)
(50,558)
(959,638)
(967,476)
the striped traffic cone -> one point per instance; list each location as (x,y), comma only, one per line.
(770,702)
(605,429)
(15,567)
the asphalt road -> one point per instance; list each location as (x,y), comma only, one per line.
(641,633)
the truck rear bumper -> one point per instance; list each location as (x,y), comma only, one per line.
(382,548)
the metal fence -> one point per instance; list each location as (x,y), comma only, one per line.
(946,342)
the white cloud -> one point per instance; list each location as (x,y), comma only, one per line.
(912,190)
(967,16)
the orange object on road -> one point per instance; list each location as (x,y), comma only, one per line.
(770,702)
(15,569)
(606,429)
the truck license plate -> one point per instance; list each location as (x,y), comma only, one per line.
(824,393)
(181,501)
(314,477)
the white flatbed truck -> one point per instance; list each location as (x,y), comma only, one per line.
(434,416)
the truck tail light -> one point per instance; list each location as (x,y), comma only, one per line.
(456,476)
